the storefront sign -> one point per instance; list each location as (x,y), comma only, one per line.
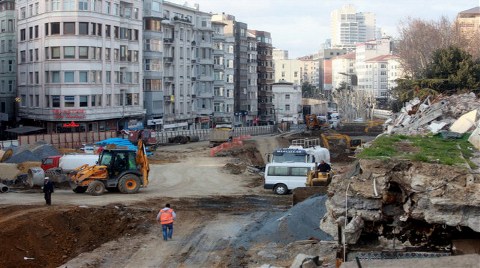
(69,114)
(71,124)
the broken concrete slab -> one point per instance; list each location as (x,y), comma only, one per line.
(474,138)
(465,123)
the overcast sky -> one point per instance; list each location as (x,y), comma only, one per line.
(301,26)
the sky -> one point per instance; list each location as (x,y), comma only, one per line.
(301,26)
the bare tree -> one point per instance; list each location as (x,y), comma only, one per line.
(420,38)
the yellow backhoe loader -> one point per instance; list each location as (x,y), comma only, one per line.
(317,183)
(116,170)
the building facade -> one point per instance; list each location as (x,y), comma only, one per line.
(8,64)
(469,22)
(287,102)
(265,76)
(343,67)
(80,61)
(350,27)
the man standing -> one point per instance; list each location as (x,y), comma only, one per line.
(48,190)
(166,216)
(324,167)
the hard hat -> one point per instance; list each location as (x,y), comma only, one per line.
(46,178)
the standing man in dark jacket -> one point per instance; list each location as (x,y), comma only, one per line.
(48,190)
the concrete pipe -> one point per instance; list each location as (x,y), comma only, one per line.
(35,176)
(3,188)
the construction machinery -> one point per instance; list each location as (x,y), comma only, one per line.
(335,141)
(317,183)
(117,169)
(313,122)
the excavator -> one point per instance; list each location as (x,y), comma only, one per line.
(117,170)
(333,140)
(317,183)
(313,122)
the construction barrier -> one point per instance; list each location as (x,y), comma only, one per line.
(236,142)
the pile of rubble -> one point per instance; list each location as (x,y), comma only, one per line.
(431,115)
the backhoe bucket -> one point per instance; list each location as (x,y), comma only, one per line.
(302,193)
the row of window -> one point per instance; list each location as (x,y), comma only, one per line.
(82,53)
(7,86)
(122,9)
(72,101)
(80,28)
(7,25)
(91,77)
(6,46)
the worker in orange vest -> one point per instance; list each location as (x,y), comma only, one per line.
(166,216)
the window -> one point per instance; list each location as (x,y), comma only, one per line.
(69,28)
(84,101)
(55,101)
(107,31)
(37,78)
(23,56)
(83,5)
(69,77)
(30,55)
(55,52)
(36,31)
(30,33)
(83,28)
(55,5)
(287,107)
(69,101)
(107,53)
(287,96)
(55,77)
(83,76)
(23,35)
(68,52)
(68,5)
(83,52)
(107,7)
(46,29)
(55,28)
(22,13)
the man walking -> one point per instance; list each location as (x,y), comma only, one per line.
(48,190)
(166,216)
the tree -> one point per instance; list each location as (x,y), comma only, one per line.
(419,39)
(308,90)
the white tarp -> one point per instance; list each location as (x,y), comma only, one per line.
(465,122)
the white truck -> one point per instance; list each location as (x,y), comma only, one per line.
(57,167)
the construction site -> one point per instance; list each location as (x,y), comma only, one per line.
(405,191)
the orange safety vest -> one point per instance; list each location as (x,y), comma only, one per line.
(166,216)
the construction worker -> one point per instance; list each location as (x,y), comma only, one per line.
(324,167)
(48,190)
(166,216)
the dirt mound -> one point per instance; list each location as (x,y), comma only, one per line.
(37,236)
(235,168)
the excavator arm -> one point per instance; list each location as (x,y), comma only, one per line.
(142,161)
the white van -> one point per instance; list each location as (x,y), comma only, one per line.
(284,177)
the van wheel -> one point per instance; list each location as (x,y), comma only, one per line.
(280,189)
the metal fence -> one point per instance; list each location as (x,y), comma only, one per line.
(8,143)
(67,140)
(204,134)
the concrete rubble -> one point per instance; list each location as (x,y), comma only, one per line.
(432,115)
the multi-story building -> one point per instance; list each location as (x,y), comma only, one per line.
(80,61)
(252,78)
(343,68)
(153,62)
(287,102)
(188,67)
(245,111)
(223,60)
(324,57)
(8,63)
(469,22)
(279,54)
(350,27)
(265,76)
(288,70)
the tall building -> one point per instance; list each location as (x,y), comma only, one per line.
(265,76)
(188,67)
(245,111)
(324,57)
(350,27)
(223,73)
(252,81)
(153,62)
(8,63)
(80,61)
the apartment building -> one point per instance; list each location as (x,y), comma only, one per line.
(469,22)
(8,63)
(251,117)
(265,76)
(279,54)
(153,63)
(350,27)
(80,61)
(343,68)
(188,67)
(287,102)
(366,51)
(223,53)
(324,57)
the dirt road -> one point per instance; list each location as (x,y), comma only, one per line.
(216,209)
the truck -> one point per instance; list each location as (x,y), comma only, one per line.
(300,151)
(117,170)
(221,133)
(58,167)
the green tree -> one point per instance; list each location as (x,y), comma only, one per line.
(308,90)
